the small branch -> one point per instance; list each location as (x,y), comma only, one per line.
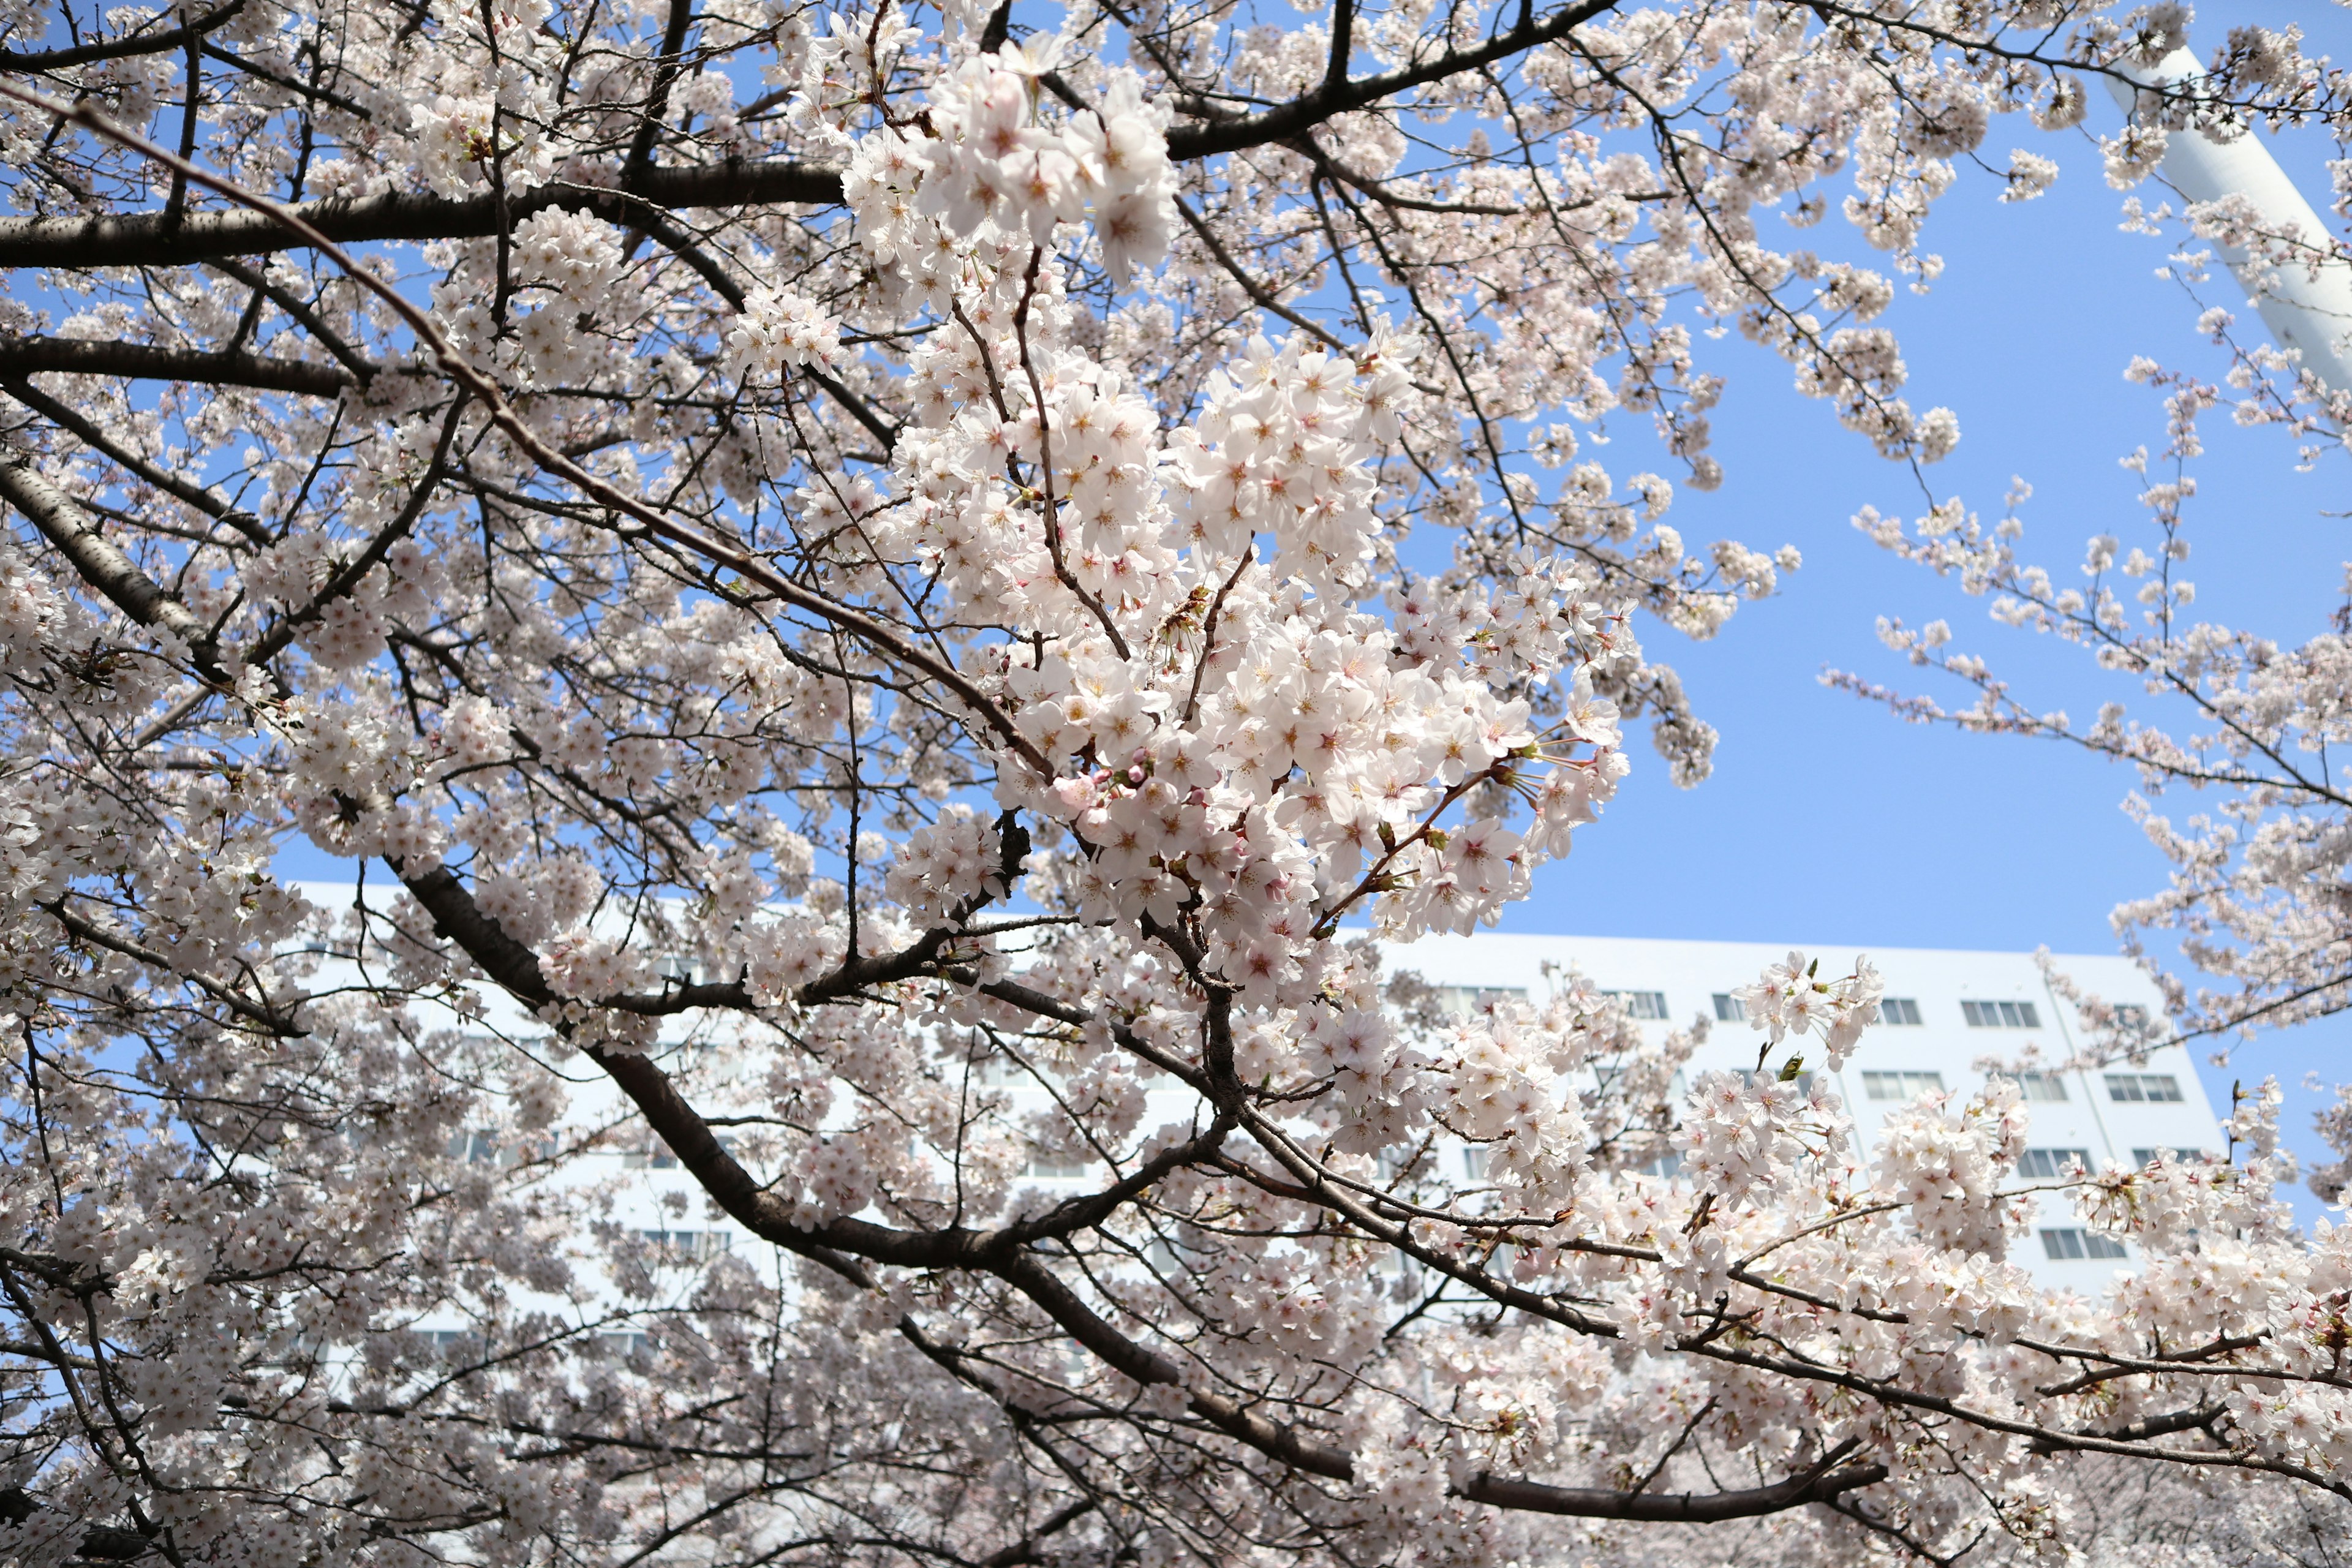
(88,433)
(309,319)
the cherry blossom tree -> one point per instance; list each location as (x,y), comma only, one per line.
(2256,897)
(817,562)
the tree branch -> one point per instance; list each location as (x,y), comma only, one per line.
(92,356)
(144,239)
(101,1543)
(98,560)
(1280,123)
(87,432)
(119,49)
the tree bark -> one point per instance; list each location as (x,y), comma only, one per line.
(145,240)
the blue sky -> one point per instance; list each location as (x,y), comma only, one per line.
(1830,821)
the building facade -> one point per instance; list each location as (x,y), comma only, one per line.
(1944,1014)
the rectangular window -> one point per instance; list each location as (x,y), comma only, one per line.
(2000,1015)
(1469,1000)
(1473,1162)
(488,1149)
(2052,1165)
(2132,1087)
(1901,1085)
(2131,1016)
(2064,1245)
(2040,1086)
(618,1345)
(1051,1167)
(2178,1156)
(682,1247)
(1641,1003)
(1729,1009)
(1902,1012)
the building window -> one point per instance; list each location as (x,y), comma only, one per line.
(2131,1016)
(475,1148)
(1901,1085)
(683,1246)
(1473,1162)
(2178,1156)
(2132,1087)
(489,1149)
(2041,1085)
(2064,1245)
(2000,1015)
(618,1345)
(1469,1000)
(1641,1003)
(1055,1168)
(652,1154)
(1900,1011)
(1729,1009)
(2048,1164)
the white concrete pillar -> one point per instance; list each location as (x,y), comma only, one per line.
(2312,314)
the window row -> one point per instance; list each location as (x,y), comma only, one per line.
(1901,1085)
(1902,1013)
(654,1154)
(680,1246)
(1895,1012)
(2125,1088)
(1641,1003)
(2060,1246)
(2049,1165)
(487,1148)
(2043,1086)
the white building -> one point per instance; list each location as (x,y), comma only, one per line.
(1944,1012)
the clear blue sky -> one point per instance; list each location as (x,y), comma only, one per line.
(1830,821)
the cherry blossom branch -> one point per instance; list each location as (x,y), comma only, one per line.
(547,457)
(145,240)
(80,356)
(102,562)
(1003,1253)
(200,497)
(1226,132)
(125,47)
